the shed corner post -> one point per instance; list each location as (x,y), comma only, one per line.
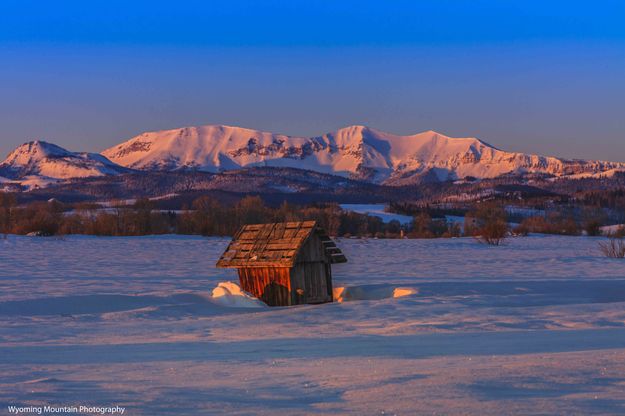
(329,282)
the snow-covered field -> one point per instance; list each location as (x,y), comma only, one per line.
(533,327)
(377,210)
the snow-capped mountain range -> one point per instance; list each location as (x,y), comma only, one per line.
(41,163)
(356,151)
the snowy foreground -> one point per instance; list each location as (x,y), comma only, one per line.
(534,327)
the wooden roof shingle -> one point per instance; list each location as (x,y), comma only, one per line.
(274,245)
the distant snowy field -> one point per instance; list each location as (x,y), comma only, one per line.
(377,210)
(533,327)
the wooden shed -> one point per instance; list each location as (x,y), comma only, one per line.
(284,263)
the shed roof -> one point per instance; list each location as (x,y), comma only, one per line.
(275,245)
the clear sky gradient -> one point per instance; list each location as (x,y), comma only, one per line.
(542,77)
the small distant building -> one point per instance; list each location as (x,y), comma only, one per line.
(284,263)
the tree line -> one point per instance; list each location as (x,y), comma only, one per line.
(206,216)
(209,216)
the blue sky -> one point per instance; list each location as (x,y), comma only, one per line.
(534,76)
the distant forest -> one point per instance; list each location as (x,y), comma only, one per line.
(205,216)
(209,216)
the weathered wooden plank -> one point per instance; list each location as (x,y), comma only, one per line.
(270,284)
(290,233)
(297,224)
(329,288)
(278,231)
(248,235)
(278,286)
(253,227)
(293,242)
(280,245)
(243,244)
(256,265)
(302,233)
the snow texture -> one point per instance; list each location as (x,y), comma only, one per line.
(231,294)
(536,326)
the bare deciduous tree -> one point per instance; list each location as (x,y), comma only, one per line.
(613,248)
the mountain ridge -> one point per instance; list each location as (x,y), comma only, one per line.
(355,152)
(41,162)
